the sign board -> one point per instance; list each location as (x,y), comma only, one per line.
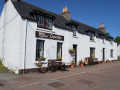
(49,36)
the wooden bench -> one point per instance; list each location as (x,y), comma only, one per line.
(55,64)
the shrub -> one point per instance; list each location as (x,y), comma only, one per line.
(3,68)
(118,58)
(73,63)
(59,58)
(81,62)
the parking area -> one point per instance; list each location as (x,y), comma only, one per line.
(97,77)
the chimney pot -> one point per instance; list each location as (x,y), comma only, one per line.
(99,25)
(66,9)
(66,13)
(102,28)
(102,25)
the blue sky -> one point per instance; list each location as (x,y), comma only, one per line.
(90,12)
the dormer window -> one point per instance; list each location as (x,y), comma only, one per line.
(111,40)
(40,21)
(92,35)
(74,28)
(44,22)
(103,38)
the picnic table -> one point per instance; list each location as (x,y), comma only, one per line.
(55,64)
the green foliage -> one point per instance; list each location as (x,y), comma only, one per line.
(81,62)
(39,64)
(2,68)
(59,58)
(72,50)
(41,59)
(118,58)
(117,39)
(108,34)
(73,63)
(92,55)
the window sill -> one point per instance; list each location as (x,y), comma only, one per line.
(45,30)
(92,41)
(112,44)
(75,37)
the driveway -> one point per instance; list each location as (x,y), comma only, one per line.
(98,77)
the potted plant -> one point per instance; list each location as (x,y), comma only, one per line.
(59,58)
(73,64)
(71,50)
(118,58)
(41,59)
(107,61)
(81,63)
(103,61)
(39,64)
(92,55)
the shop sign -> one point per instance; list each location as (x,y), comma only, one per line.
(49,36)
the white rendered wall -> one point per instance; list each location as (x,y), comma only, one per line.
(118,50)
(82,41)
(12,37)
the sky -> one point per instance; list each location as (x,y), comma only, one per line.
(90,12)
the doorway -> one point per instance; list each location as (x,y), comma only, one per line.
(103,53)
(75,56)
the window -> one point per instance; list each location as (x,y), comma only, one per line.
(111,52)
(44,22)
(49,23)
(59,50)
(40,21)
(92,35)
(39,49)
(102,37)
(111,40)
(92,52)
(74,28)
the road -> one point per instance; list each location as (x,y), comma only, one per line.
(98,77)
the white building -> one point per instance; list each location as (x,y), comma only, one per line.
(118,49)
(28,32)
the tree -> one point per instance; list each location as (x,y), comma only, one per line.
(117,39)
(108,34)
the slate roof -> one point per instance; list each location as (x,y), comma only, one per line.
(25,8)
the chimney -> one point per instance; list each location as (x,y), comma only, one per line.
(102,28)
(66,13)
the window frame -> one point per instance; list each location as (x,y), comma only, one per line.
(45,22)
(111,53)
(57,48)
(74,34)
(93,51)
(92,35)
(39,51)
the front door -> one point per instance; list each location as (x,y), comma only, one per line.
(103,53)
(75,56)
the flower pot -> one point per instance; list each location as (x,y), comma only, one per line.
(72,66)
(81,65)
(103,62)
(107,61)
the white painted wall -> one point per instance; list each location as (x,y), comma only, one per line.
(82,41)
(12,37)
(118,50)
(14,42)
